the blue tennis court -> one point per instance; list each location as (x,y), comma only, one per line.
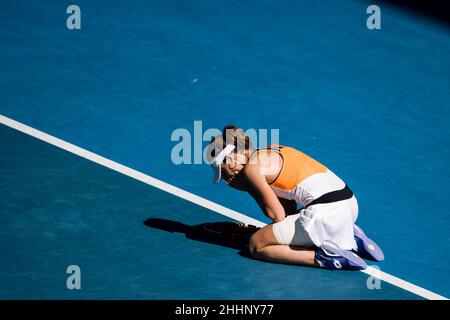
(373,105)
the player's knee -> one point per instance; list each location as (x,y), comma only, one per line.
(255,250)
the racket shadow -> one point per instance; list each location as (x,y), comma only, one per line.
(199,233)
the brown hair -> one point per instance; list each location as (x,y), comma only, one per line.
(234,136)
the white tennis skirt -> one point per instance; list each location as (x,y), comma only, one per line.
(318,223)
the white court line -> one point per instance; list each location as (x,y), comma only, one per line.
(191,197)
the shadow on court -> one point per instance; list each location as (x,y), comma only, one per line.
(433,9)
(225,234)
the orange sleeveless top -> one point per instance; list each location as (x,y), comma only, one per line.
(297,166)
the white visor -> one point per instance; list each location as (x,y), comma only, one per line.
(217,162)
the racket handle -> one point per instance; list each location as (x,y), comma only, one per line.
(245,225)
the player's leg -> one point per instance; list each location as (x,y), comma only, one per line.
(287,247)
(287,242)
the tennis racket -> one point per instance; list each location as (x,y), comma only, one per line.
(235,230)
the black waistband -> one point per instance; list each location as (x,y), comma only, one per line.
(333,196)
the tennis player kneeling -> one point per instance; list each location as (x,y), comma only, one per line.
(279,178)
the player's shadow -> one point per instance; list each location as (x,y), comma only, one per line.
(199,233)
